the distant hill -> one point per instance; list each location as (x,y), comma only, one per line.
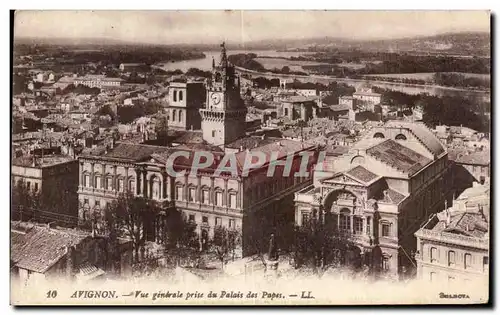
(470,43)
(477,43)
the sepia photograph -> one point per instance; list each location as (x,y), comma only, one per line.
(244,157)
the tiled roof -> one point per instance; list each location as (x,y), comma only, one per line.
(250,143)
(465,223)
(476,158)
(399,157)
(133,152)
(40,248)
(393,196)
(429,140)
(362,173)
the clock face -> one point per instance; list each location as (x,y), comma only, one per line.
(215,98)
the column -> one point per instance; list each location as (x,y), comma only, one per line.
(224,195)
(138,182)
(92,175)
(352,223)
(144,184)
(198,188)
(239,201)
(125,189)
(103,177)
(164,177)
(114,178)
(211,190)
(338,222)
(185,190)
(81,174)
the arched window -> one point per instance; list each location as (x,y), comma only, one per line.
(155,188)
(131,185)
(345,220)
(205,197)
(119,185)
(379,135)
(218,197)
(175,95)
(218,77)
(192,193)
(97,181)
(180,116)
(86,180)
(434,254)
(451,258)
(467,261)
(109,183)
(174,114)
(232,199)
(178,192)
(400,137)
(180,95)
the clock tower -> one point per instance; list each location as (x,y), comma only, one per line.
(223,117)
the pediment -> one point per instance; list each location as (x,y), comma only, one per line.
(342,179)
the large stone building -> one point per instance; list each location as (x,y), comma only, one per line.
(248,200)
(380,191)
(453,246)
(98,81)
(55,177)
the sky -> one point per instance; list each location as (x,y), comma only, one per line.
(176,27)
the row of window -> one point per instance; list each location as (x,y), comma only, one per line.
(451,259)
(35,186)
(176,116)
(178,95)
(108,183)
(218,221)
(205,196)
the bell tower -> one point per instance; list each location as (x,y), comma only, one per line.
(224,115)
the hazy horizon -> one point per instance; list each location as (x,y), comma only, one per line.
(239,27)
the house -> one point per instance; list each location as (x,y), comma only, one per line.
(45,253)
(453,246)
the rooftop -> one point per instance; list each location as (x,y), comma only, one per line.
(399,157)
(362,173)
(425,135)
(39,248)
(130,152)
(46,161)
(473,158)
(300,99)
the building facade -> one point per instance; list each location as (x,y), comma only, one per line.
(379,192)
(184,101)
(54,177)
(247,200)
(453,246)
(98,81)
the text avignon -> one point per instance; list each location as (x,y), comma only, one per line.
(90,294)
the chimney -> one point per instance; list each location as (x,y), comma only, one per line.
(448,218)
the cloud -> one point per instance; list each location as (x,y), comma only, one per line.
(170,27)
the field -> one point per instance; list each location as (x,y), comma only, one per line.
(428,76)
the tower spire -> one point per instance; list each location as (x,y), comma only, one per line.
(223,56)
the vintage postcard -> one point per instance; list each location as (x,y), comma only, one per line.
(250,158)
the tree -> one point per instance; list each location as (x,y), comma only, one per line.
(285,69)
(130,214)
(320,244)
(225,243)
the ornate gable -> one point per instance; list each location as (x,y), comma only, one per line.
(342,179)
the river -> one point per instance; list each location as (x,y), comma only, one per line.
(206,64)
